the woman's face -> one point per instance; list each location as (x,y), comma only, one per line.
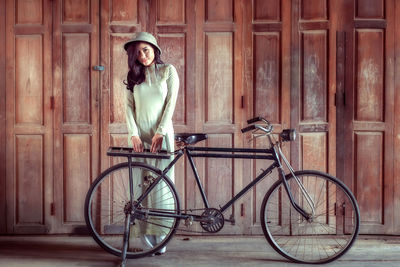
(145,53)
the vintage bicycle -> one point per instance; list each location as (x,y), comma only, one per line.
(307,216)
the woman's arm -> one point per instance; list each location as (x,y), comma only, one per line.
(133,133)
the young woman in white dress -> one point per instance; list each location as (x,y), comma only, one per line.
(150,103)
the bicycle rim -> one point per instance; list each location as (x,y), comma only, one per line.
(108,202)
(332,229)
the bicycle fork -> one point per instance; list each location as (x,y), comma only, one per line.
(303,190)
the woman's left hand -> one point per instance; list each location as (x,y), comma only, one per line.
(156,143)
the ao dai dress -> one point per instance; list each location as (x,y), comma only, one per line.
(149,110)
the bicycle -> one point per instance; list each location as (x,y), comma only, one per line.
(306,216)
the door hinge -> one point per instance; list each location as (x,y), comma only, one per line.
(242,101)
(344,99)
(52,209)
(340,99)
(52,102)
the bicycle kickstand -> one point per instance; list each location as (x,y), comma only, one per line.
(125,240)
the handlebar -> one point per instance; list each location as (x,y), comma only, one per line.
(248,128)
(255,119)
(267,128)
(286,135)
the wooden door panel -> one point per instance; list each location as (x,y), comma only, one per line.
(313,111)
(369,95)
(29,180)
(123,11)
(118,74)
(219,87)
(29,11)
(171,12)
(314,147)
(76,85)
(267,65)
(267,10)
(29,79)
(369,137)
(76,109)
(372,9)
(368,112)
(314,9)
(266,85)
(76,175)
(28,117)
(75,11)
(368,172)
(219,99)
(218,10)
(314,77)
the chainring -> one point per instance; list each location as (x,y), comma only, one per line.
(212,220)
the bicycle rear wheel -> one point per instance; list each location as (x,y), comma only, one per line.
(108,204)
(329,233)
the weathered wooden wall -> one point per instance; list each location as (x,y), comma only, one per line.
(326,68)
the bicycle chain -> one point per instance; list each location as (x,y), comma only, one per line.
(180,229)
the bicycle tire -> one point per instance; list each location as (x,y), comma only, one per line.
(332,230)
(108,201)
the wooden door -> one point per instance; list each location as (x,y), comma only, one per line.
(199,44)
(367,110)
(267,79)
(219,101)
(313,112)
(29,125)
(174,30)
(76,109)
(290,68)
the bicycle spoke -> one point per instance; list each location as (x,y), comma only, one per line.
(320,239)
(108,202)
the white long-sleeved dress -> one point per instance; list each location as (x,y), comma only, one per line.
(150,107)
(149,110)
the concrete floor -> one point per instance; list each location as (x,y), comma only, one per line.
(184,251)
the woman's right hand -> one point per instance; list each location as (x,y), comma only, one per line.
(137,144)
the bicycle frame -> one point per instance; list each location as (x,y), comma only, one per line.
(142,205)
(243,153)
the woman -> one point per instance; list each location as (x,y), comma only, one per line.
(150,102)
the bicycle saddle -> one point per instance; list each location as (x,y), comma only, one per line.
(190,138)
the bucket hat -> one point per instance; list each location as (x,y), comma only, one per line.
(143,37)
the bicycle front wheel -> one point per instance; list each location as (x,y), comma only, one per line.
(108,206)
(329,232)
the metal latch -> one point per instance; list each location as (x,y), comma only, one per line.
(99,68)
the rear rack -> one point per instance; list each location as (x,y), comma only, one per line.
(129,152)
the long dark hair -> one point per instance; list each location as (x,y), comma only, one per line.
(136,74)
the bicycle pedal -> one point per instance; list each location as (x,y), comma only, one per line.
(231,220)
